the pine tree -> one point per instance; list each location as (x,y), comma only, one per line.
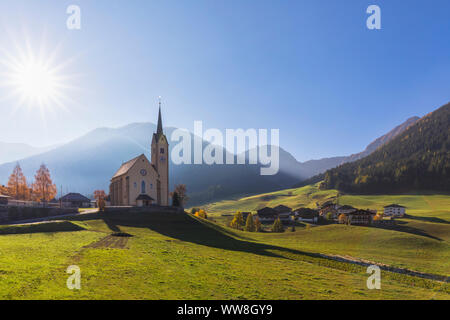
(175,199)
(250,224)
(43,188)
(277,226)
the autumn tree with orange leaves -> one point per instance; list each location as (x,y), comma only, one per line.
(4,190)
(43,188)
(17,185)
(100,196)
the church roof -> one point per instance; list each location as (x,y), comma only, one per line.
(126,167)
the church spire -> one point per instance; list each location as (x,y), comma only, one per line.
(159,131)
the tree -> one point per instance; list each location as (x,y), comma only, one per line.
(201,214)
(17,185)
(250,224)
(258,227)
(238,221)
(4,190)
(277,226)
(180,189)
(100,197)
(330,216)
(342,218)
(378,217)
(43,188)
(175,199)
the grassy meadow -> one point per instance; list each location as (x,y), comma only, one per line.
(177,256)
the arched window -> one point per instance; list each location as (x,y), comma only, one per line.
(143,187)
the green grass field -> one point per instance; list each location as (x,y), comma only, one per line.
(176,256)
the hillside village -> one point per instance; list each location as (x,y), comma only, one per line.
(326,213)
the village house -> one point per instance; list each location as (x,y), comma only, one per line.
(284,213)
(327,208)
(394,210)
(307,215)
(142,183)
(75,200)
(360,217)
(267,215)
(346,209)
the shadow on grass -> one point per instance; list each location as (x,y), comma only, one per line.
(400,227)
(47,227)
(186,228)
(427,219)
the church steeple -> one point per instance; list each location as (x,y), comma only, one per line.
(160,161)
(159,131)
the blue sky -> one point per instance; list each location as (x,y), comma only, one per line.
(310,68)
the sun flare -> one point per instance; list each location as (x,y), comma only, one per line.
(36,80)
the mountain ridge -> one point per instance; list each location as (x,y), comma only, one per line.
(88,162)
(418,159)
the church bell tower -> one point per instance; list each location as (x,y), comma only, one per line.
(160,160)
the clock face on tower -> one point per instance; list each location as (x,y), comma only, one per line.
(143,172)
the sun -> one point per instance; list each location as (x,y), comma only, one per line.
(35,80)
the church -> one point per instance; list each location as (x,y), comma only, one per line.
(142,183)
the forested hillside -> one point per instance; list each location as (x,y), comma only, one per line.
(416,160)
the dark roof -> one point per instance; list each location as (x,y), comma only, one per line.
(346,207)
(307,212)
(144,197)
(267,212)
(362,212)
(282,209)
(327,204)
(74,197)
(394,206)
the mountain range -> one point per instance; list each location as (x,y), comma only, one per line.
(87,163)
(14,151)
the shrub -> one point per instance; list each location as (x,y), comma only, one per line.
(329,216)
(201,214)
